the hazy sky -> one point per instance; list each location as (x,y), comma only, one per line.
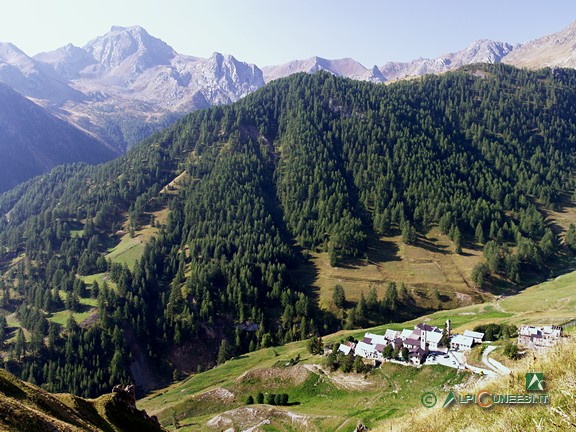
(269,32)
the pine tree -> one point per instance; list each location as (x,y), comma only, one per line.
(338,296)
(479,233)
(20,345)
(223,352)
(457,240)
(405,354)
(361,309)
(391,297)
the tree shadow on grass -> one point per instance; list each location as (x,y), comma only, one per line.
(431,246)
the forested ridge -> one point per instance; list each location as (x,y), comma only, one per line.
(307,162)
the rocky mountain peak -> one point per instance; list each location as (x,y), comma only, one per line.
(9,52)
(484,51)
(129,43)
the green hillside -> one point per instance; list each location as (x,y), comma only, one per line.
(230,231)
(326,400)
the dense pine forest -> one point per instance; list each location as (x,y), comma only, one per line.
(310,162)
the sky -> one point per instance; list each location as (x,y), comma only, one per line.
(268,32)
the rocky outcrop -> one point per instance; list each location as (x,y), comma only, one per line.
(124,402)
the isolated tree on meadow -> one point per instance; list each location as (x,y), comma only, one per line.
(338,296)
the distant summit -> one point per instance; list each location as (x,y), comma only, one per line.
(555,50)
(481,51)
(345,67)
(127,51)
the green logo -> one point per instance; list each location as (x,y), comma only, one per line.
(535,381)
(428,399)
(449,399)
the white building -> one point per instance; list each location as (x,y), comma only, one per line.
(345,349)
(461,343)
(390,334)
(367,351)
(406,333)
(433,339)
(375,339)
(476,336)
(539,337)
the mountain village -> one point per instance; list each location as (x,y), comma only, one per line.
(428,345)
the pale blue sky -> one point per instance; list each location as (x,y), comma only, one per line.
(269,32)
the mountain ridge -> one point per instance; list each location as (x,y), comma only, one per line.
(126,84)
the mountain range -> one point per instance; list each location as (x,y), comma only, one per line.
(126,84)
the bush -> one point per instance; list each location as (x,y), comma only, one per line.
(510,350)
(346,363)
(359,365)
(249,400)
(330,362)
(271,399)
(480,274)
(315,345)
(494,331)
(260,398)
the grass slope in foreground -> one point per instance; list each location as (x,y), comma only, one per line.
(559,368)
(25,407)
(337,401)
